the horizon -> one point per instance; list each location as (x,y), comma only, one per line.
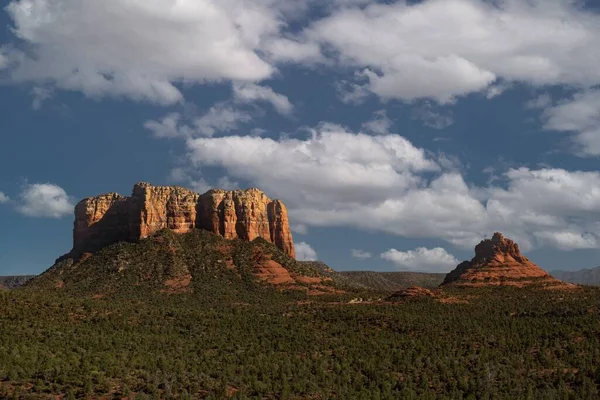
(390,154)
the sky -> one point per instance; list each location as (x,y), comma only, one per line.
(398,133)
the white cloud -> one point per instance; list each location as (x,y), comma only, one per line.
(44,200)
(168,127)
(384,183)
(249,92)
(579,115)
(332,163)
(360,254)
(351,93)
(437,49)
(300,229)
(196,182)
(496,90)
(540,102)
(220,118)
(223,117)
(4,198)
(431,117)
(422,259)
(292,51)
(567,240)
(40,94)
(141,49)
(443,49)
(304,252)
(226,183)
(3,59)
(380,124)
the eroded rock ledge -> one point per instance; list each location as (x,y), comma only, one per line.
(244,214)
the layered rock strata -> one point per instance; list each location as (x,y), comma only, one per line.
(498,261)
(243,214)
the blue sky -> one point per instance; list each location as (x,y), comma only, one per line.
(398,134)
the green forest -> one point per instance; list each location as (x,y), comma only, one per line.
(104,327)
(489,344)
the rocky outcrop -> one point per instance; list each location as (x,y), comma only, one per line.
(498,261)
(243,214)
(412,292)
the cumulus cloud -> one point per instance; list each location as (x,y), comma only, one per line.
(44,200)
(169,127)
(141,49)
(384,183)
(443,49)
(437,49)
(330,164)
(570,240)
(220,118)
(286,50)
(422,259)
(4,198)
(300,229)
(249,92)
(579,115)
(304,252)
(360,254)
(380,124)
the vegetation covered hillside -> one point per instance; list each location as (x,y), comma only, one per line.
(394,281)
(198,261)
(197,316)
(503,343)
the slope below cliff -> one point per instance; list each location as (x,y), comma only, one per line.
(194,262)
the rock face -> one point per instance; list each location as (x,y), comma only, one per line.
(249,214)
(498,261)
(412,292)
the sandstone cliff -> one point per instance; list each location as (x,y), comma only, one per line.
(498,261)
(249,214)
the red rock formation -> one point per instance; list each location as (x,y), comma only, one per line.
(99,219)
(412,292)
(247,215)
(498,261)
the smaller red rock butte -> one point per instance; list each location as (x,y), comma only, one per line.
(498,261)
(244,214)
(412,292)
